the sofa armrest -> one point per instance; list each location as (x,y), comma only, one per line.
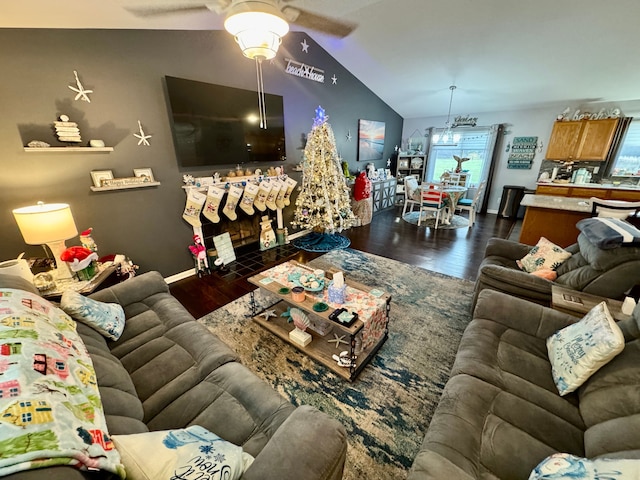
(498,274)
(133,290)
(521,315)
(501,247)
(309,445)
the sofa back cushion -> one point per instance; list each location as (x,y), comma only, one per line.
(610,404)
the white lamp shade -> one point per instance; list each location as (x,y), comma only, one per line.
(45,223)
(258,29)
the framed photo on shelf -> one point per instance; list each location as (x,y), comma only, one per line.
(370,140)
(144,172)
(403,163)
(97,176)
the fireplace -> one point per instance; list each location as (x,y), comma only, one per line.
(245,230)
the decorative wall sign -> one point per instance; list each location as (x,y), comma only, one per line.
(299,69)
(467,121)
(523,150)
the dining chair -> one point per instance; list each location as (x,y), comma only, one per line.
(613,208)
(410,187)
(433,200)
(471,205)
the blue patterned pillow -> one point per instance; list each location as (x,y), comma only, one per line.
(106,318)
(576,352)
(570,467)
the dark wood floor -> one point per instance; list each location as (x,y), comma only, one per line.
(455,252)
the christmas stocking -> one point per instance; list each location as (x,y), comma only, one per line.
(195,201)
(261,198)
(290,184)
(212,205)
(248,198)
(281,194)
(232,200)
(273,194)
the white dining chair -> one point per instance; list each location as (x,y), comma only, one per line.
(433,200)
(471,205)
(613,208)
(410,187)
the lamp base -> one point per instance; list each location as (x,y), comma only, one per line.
(62,272)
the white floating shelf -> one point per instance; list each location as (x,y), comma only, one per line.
(68,149)
(125,187)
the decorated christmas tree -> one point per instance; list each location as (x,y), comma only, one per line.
(324,203)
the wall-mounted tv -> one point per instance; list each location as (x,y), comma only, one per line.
(218,125)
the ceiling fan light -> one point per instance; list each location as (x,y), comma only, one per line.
(258,34)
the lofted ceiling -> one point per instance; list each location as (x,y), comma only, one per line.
(501,54)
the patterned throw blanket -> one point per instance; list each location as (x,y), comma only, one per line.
(50,408)
(607,233)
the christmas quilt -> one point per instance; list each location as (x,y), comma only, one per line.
(50,407)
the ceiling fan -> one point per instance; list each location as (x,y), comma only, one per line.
(283,8)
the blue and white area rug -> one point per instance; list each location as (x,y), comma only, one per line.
(387,410)
(429,220)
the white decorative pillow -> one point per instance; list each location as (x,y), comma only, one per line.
(106,318)
(570,467)
(576,352)
(189,453)
(545,254)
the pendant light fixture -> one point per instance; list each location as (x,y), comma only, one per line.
(447,137)
(258,27)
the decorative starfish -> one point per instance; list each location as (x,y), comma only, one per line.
(334,79)
(81,92)
(349,136)
(305,45)
(268,314)
(143,138)
(338,340)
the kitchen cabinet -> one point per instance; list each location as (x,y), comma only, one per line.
(581,140)
(582,191)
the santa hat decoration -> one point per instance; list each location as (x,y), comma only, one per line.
(78,258)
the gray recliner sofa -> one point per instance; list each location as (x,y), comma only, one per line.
(167,371)
(606,273)
(500,413)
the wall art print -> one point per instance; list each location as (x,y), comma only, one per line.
(370,140)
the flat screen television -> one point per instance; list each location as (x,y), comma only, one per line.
(218,125)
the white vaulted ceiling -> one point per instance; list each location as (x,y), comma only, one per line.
(501,54)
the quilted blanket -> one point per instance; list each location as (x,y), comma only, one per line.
(50,407)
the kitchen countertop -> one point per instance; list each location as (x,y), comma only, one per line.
(554,202)
(591,185)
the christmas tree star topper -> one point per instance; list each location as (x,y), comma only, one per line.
(321,116)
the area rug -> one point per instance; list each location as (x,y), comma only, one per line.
(322,242)
(456,222)
(387,409)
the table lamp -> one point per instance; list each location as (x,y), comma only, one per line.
(49,224)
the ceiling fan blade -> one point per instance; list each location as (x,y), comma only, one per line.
(159,7)
(315,21)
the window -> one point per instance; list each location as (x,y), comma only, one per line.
(627,161)
(474,143)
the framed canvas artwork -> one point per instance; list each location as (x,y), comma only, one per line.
(370,140)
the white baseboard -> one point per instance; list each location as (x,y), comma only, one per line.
(191,272)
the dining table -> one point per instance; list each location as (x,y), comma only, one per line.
(455,192)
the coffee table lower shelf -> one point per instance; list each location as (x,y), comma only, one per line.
(319,349)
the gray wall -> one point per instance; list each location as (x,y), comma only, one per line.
(125,69)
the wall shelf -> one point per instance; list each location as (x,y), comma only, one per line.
(125,187)
(68,149)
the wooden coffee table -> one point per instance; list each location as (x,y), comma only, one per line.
(361,340)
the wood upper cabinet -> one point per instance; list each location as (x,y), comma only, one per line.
(581,140)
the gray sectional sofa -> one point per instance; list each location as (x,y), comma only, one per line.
(168,371)
(501,414)
(607,273)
